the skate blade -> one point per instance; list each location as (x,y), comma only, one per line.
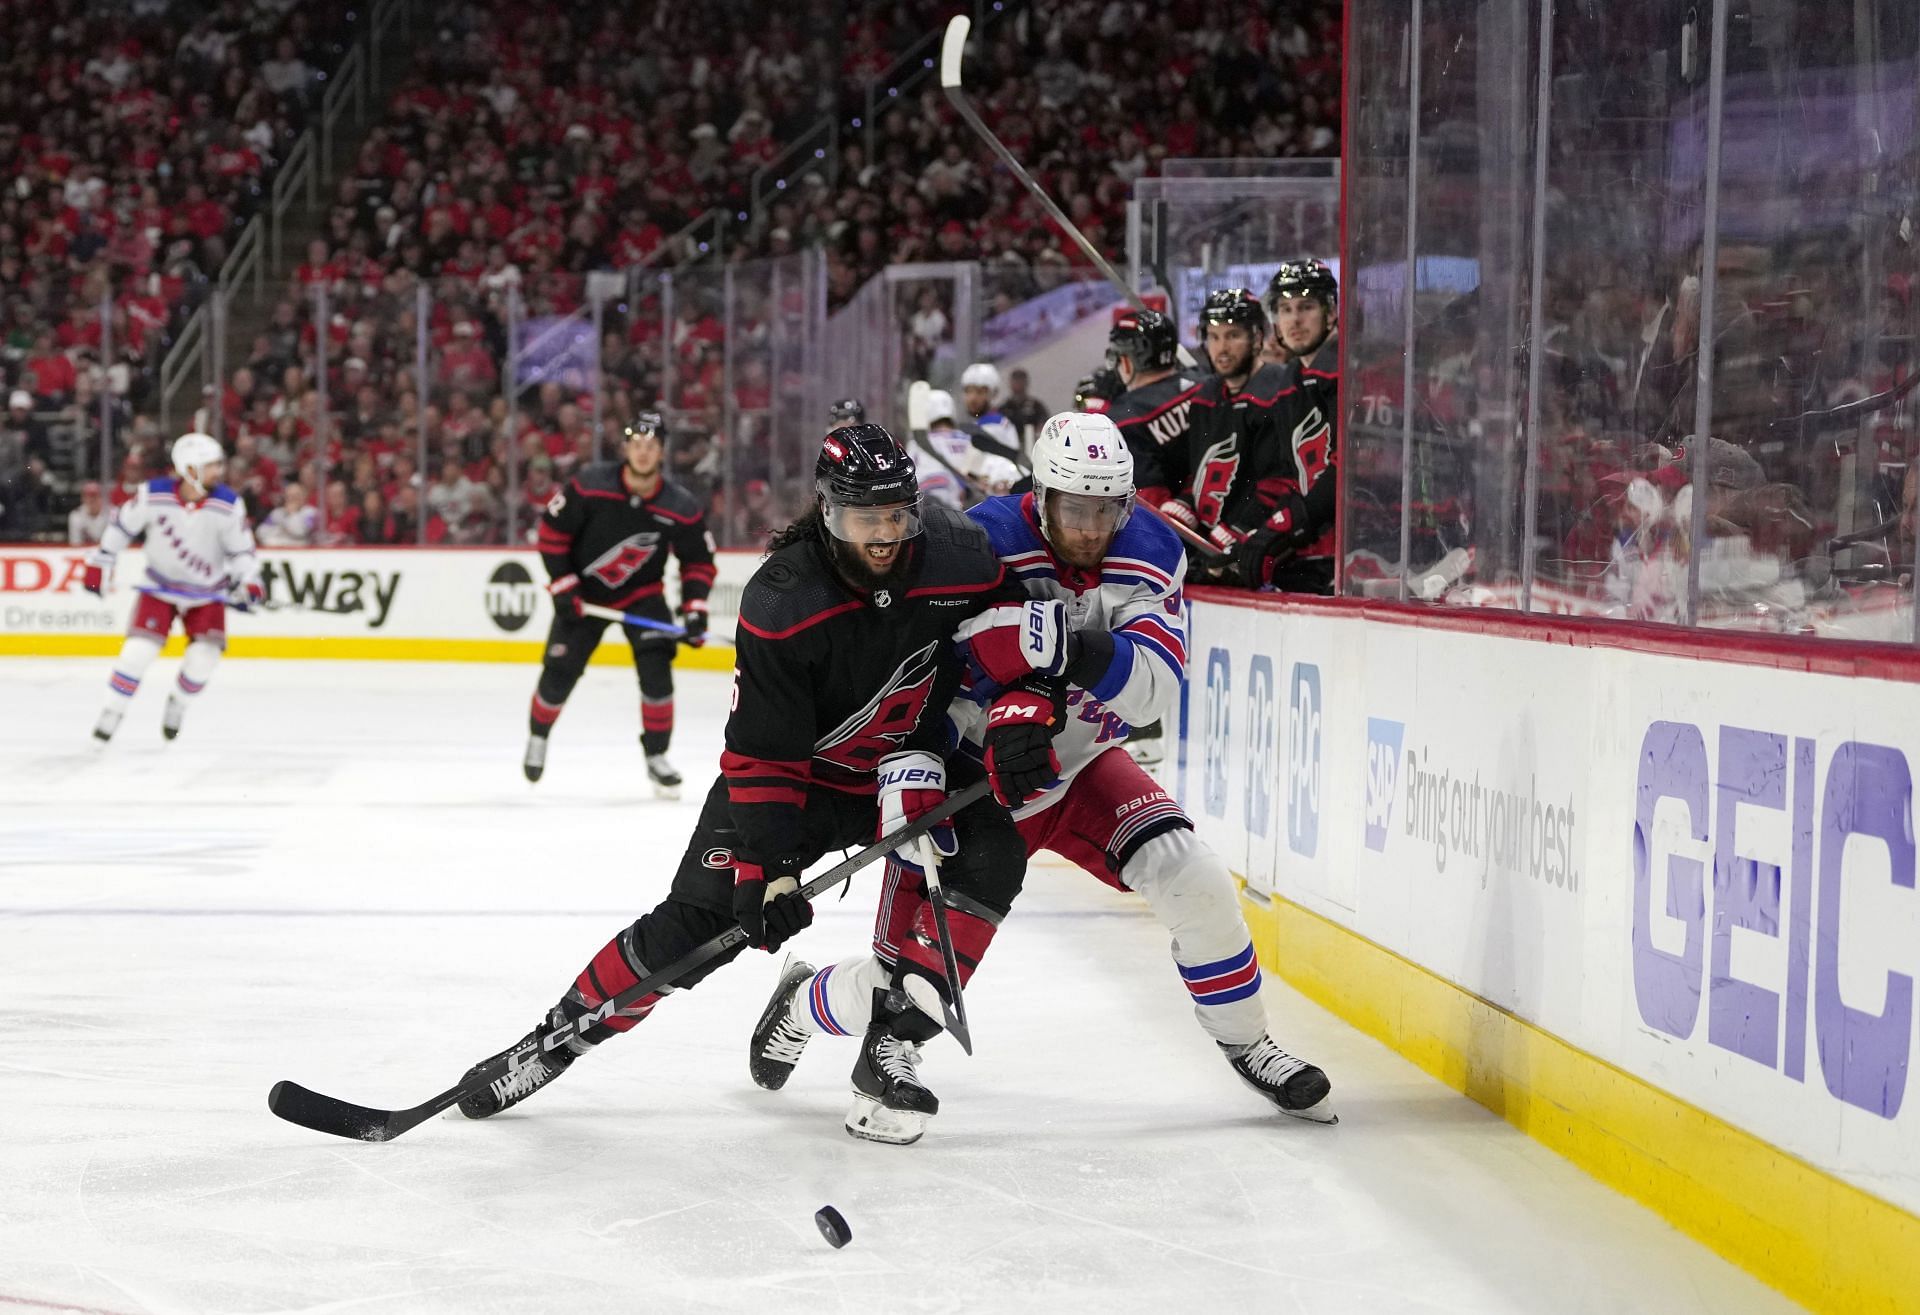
(666,792)
(1321,1112)
(869,1120)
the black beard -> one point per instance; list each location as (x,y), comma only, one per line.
(850,560)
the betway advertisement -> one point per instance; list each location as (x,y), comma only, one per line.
(470,594)
(1700,872)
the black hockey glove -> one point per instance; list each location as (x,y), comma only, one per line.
(767,901)
(1021,724)
(693,620)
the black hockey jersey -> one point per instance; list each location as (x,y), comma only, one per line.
(1265,453)
(828,680)
(1154,419)
(617,542)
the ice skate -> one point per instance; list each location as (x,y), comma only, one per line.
(171,718)
(534,1070)
(1293,1085)
(777,1039)
(666,781)
(535,763)
(109,723)
(890,1103)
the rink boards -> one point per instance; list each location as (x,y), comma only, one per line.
(431,604)
(1653,906)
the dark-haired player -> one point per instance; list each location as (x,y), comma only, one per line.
(837,734)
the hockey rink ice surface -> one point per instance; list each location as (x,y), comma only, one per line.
(337,875)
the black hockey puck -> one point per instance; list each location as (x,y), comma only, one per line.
(833,1225)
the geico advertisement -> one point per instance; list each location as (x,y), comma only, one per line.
(1701,872)
(405,593)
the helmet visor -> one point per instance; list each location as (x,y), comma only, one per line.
(893,522)
(1087,514)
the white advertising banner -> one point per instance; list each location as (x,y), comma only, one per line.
(475,595)
(1701,872)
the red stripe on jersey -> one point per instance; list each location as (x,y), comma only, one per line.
(739,764)
(702,574)
(599,493)
(1151,627)
(981,587)
(673,516)
(1163,408)
(644,591)
(766,794)
(796,628)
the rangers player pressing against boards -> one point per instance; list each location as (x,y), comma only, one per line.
(200,560)
(604,539)
(1105,600)
(837,734)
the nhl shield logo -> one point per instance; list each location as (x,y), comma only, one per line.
(883,598)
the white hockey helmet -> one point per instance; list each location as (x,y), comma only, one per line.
(193,453)
(939,405)
(981,374)
(1082,454)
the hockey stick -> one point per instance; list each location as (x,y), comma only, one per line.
(956,1013)
(648,623)
(211,596)
(953,49)
(340,1118)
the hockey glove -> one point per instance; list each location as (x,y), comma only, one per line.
(693,620)
(1283,533)
(566,596)
(1176,510)
(1021,724)
(1014,640)
(913,784)
(767,902)
(246,597)
(94,582)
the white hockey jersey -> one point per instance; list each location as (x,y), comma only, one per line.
(1136,594)
(195,554)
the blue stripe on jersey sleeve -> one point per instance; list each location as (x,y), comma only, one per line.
(1114,679)
(1007,529)
(1145,537)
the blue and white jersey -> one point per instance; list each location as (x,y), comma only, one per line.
(1136,595)
(195,551)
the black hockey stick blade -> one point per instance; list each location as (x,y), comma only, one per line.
(342,1118)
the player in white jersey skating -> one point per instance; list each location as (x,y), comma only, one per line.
(200,559)
(1104,642)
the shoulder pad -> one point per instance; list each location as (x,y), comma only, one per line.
(221,493)
(1146,550)
(599,475)
(679,500)
(958,550)
(165,484)
(1007,528)
(1269,383)
(788,591)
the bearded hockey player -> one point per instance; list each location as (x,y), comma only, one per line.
(200,560)
(1258,445)
(838,734)
(604,539)
(1105,600)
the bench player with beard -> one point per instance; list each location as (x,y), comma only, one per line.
(1105,588)
(1257,446)
(604,539)
(844,669)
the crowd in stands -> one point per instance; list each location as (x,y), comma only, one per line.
(517,158)
(136,141)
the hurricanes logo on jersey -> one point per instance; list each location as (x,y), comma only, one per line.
(1217,468)
(883,725)
(616,565)
(1311,438)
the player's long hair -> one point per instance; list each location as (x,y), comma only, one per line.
(812,526)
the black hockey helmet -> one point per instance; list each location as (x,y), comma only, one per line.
(1145,337)
(867,488)
(1097,389)
(847,411)
(1305,277)
(1235,306)
(647,424)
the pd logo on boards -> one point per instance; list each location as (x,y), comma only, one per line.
(1383,770)
(1263,714)
(1848,827)
(1303,760)
(1218,714)
(511,596)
